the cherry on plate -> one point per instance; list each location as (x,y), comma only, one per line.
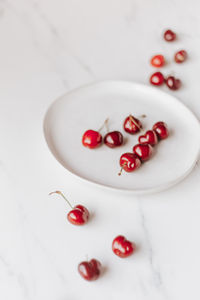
(157,78)
(161,130)
(150,137)
(169,35)
(78,215)
(132,125)
(143,151)
(113,139)
(122,247)
(173,83)
(92,138)
(90,270)
(158,61)
(180,56)
(129,162)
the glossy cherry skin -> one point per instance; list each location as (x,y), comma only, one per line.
(113,139)
(143,151)
(157,78)
(169,35)
(180,56)
(161,130)
(150,137)
(90,270)
(173,83)
(91,139)
(158,61)
(132,125)
(79,215)
(122,247)
(129,162)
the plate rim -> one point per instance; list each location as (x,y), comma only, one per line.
(140,191)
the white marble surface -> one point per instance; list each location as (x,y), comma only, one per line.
(47,48)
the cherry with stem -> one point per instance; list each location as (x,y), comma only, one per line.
(78,215)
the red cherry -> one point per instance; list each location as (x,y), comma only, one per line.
(161,129)
(173,83)
(157,78)
(78,215)
(169,35)
(90,270)
(113,139)
(132,125)
(158,61)
(129,162)
(149,137)
(143,151)
(122,247)
(91,139)
(180,56)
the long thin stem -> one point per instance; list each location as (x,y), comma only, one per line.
(60,193)
(131,118)
(104,124)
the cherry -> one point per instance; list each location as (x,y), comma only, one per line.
(90,270)
(113,139)
(91,139)
(149,137)
(122,247)
(173,83)
(158,61)
(180,56)
(132,125)
(161,129)
(78,215)
(169,35)
(157,78)
(143,151)
(129,162)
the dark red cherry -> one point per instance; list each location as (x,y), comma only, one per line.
(122,247)
(78,215)
(113,139)
(90,270)
(132,125)
(161,130)
(143,151)
(157,78)
(149,137)
(169,35)
(91,139)
(173,83)
(158,61)
(129,162)
(180,56)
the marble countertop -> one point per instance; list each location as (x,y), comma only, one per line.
(49,47)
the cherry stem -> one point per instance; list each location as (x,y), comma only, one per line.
(131,118)
(122,168)
(104,124)
(60,193)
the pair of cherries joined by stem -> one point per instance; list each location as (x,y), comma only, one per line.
(129,161)
(93,139)
(91,270)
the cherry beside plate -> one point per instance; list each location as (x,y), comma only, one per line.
(87,108)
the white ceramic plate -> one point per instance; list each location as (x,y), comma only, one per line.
(87,108)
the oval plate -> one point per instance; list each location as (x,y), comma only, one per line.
(87,108)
